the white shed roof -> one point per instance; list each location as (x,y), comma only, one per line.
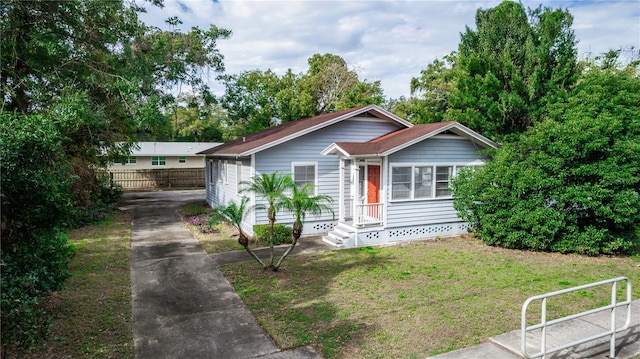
(171,148)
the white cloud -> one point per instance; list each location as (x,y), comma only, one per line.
(384,40)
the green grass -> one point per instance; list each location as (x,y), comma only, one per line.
(92,315)
(418,299)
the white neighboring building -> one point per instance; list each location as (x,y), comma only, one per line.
(158,155)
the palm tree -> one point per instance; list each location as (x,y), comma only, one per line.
(234,213)
(301,202)
(271,187)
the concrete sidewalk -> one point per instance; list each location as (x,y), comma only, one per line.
(507,346)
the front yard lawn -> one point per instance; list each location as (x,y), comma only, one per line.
(416,299)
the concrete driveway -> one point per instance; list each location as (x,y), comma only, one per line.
(183,307)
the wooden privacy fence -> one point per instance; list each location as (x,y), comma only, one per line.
(158,178)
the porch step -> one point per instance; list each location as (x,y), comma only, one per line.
(338,236)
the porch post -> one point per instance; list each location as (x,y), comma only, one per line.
(341,191)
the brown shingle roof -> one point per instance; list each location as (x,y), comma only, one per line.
(402,138)
(391,140)
(263,139)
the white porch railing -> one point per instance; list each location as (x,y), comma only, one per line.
(369,213)
(544,322)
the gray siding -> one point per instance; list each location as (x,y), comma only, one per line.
(221,192)
(430,211)
(438,150)
(307,149)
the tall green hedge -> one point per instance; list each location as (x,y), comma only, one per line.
(569,184)
(35,210)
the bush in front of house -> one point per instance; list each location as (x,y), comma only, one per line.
(281,234)
(571,183)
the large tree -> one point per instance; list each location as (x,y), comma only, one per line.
(430,93)
(571,183)
(511,66)
(257,99)
(335,87)
(77,78)
(98,61)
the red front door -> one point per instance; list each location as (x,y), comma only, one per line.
(373,192)
(373,184)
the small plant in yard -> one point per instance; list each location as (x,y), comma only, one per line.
(202,222)
(210,229)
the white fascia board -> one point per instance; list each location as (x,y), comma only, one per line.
(334,149)
(473,135)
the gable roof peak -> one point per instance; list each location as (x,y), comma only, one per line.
(272,136)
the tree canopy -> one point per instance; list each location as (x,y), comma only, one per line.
(257,99)
(511,66)
(571,183)
(503,74)
(77,80)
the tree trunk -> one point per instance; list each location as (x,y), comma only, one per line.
(272,222)
(295,235)
(244,241)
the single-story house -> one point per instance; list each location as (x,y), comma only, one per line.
(389,179)
(155,155)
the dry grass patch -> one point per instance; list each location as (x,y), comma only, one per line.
(92,315)
(416,299)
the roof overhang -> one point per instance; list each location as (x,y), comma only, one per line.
(353,149)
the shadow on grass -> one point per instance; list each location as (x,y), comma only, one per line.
(299,312)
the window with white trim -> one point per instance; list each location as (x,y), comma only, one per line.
(443,179)
(238,176)
(304,173)
(182,159)
(211,172)
(401,183)
(158,161)
(422,181)
(223,172)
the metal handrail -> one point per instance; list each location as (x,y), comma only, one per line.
(545,323)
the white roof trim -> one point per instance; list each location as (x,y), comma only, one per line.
(334,149)
(454,127)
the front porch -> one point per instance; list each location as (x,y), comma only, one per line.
(361,206)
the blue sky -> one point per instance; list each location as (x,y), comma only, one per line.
(390,41)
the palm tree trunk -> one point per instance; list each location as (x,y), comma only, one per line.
(295,235)
(272,222)
(244,241)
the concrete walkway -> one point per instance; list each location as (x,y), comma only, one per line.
(507,346)
(183,307)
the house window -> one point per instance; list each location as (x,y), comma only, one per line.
(443,179)
(182,159)
(211,172)
(423,182)
(223,170)
(304,173)
(401,183)
(158,161)
(129,161)
(419,182)
(239,176)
